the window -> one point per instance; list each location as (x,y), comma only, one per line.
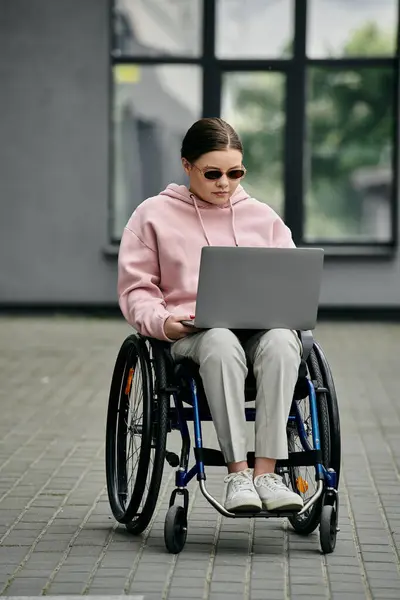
(254,28)
(156,97)
(254,103)
(153,107)
(310,85)
(349,152)
(339,28)
(157,27)
(350,134)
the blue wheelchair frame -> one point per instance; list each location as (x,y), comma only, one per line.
(327,478)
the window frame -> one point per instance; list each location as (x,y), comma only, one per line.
(295,69)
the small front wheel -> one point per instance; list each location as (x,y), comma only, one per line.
(175,529)
(328,529)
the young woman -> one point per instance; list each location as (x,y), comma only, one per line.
(158,272)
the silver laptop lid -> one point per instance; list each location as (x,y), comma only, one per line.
(259,288)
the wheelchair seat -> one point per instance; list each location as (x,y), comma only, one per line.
(185,368)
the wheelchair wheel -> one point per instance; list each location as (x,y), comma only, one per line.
(328,529)
(302,479)
(175,529)
(135,436)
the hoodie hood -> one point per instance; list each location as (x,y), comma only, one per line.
(181,192)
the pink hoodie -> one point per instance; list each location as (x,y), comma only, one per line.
(159,256)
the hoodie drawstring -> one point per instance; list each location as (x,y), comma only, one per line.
(201,220)
(233,223)
(202,223)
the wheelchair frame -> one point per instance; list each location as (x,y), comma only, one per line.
(310,456)
(178,379)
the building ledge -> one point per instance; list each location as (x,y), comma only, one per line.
(332,252)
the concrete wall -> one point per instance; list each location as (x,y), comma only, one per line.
(54,157)
(54,137)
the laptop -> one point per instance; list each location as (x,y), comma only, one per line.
(258,288)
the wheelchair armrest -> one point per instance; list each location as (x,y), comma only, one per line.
(162,344)
(307,341)
(159,346)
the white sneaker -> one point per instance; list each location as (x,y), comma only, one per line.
(241,495)
(274,493)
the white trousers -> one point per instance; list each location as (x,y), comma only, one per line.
(221,356)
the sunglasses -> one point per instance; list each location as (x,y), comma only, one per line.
(215,174)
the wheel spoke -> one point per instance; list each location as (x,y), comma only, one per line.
(132,418)
(301,477)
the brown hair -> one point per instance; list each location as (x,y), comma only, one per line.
(207,135)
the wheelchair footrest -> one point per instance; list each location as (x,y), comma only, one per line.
(214,458)
(266,514)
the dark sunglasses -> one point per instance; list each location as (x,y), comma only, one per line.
(214,174)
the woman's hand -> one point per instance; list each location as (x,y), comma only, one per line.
(175,330)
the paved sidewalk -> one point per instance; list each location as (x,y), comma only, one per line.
(57,534)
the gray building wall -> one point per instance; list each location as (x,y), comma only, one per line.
(54,136)
(54,165)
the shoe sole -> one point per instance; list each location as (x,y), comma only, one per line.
(243,508)
(277,505)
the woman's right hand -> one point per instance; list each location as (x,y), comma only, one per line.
(174,328)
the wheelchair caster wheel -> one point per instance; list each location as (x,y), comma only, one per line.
(175,529)
(328,529)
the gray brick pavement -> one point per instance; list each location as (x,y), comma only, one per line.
(57,534)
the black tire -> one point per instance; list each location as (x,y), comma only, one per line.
(132,499)
(175,529)
(327,530)
(160,409)
(333,409)
(132,359)
(309,521)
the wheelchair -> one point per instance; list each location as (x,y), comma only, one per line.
(151,395)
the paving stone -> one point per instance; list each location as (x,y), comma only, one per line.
(182,592)
(261,595)
(348,596)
